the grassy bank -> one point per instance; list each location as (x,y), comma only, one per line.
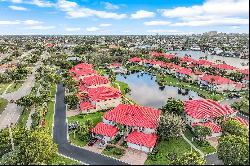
(3,86)
(165,148)
(3,104)
(23,117)
(15,86)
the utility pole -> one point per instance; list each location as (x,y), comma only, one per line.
(11,138)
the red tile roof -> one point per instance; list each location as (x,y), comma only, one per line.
(103,93)
(223,66)
(202,62)
(135,59)
(240,120)
(206,108)
(244,71)
(139,138)
(104,129)
(214,127)
(186,59)
(85,72)
(133,115)
(94,80)
(216,79)
(185,71)
(86,106)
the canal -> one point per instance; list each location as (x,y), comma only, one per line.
(146,91)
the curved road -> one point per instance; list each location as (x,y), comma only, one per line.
(60,137)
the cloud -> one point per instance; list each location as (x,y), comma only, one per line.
(142,14)
(6,22)
(92,29)
(105,25)
(235,27)
(31,22)
(16,1)
(18,8)
(110,6)
(162,31)
(210,7)
(41,27)
(214,22)
(73,10)
(41,3)
(156,23)
(72,29)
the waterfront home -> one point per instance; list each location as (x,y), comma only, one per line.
(138,124)
(135,60)
(224,67)
(216,83)
(104,132)
(95,81)
(204,112)
(104,97)
(185,74)
(186,59)
(202,63)
(82,70)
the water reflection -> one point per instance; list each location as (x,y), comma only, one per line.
(145,90)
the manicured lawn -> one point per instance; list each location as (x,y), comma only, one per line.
(101,71)
(205,147)
(61,160)
(3,104)
(23,117)
(95,117)
(177,145)
(15,86)
(123,87)
(49,115)
(3,87)
(113,151)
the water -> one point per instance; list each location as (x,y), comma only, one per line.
(228,60)
(145,91)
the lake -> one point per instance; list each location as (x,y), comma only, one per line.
(228,60)
(146,91)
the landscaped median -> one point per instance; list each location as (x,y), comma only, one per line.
(3,104)
(113,151)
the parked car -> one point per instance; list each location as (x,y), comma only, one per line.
(234,95)
(92,142)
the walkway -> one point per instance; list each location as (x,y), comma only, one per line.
(60,135)
(29,121)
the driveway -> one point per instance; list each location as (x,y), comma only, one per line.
(60,137)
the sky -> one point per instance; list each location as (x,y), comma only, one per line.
(122,17)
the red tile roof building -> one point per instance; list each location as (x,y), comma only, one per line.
(216,129)
(95,80)
(103,93)
(105,130)
(142,139)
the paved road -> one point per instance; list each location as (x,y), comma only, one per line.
(60,137)
(12,112)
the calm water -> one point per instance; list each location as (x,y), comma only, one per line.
(229,60)
(145,91)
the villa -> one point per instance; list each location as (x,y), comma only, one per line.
(185,73)
(138,124)
(216,83)
(95,81)
(204,112)
(224,67)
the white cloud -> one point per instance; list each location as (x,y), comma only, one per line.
(225,8)
(72,29)
(73,10)
(40,27)
(110,6)
(18,8)
(92,29)
(105,25)
(162,31)
(214,22)
(6,22)
(16,1)
(156,23)
(142,14)
(31,22)
(235,27)
(41,3)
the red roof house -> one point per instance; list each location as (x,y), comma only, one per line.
(213,126)
(103,93)
(104,129)
(133,115)
(139,138)
(94,80)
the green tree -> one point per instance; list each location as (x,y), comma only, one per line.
(170,126)
(234,150)
(174,106)
(37,147)
(201,132)
(72,101)
(232,126)
(190,158)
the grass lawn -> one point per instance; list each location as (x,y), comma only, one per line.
(15,86)
(23,117)
(3,104)
(96,117)
(123,87)
(61,160)
(177,145)
(3,86)
(49,115)
(205,147)
(101,71)
(113,151)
